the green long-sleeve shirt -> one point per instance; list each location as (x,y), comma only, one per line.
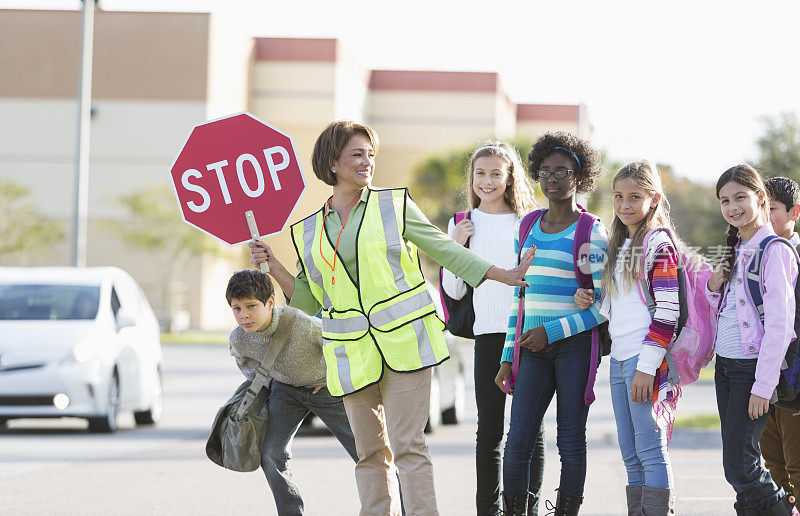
(418,230)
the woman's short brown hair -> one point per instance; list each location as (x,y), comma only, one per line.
(331,142)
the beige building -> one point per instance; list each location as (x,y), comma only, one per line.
(149,87)
(155,77)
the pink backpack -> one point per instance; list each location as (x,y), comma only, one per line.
(692,348)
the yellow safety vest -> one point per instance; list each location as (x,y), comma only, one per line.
(384,314)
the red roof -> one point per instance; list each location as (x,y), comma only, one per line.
(433,81)
(548,112)
(295,49)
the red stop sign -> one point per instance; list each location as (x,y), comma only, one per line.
(233,165)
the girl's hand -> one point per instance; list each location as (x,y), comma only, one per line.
(317,389)
(584,298)
(758,406)
(463,231)
(534,339)
(642,387)
(516,276)
(717,279)
(503,375)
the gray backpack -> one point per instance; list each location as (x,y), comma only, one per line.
(241,423)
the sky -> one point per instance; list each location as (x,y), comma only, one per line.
(683,82)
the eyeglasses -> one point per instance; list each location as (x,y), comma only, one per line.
(558,174)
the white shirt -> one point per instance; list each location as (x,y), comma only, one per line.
(494,242)
(630,320)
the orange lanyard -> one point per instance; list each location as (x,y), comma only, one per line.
(336,248)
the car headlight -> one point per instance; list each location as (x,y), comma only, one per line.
(83,352)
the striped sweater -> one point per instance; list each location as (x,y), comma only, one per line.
(550,299)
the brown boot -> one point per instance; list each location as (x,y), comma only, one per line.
(634,496)
(657,501)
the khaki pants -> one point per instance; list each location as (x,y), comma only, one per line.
(780,446)
(393,412)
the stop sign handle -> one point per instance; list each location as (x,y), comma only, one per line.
(251,223)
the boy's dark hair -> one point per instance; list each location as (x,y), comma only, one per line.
(249,283)
(586,172)
(784,190)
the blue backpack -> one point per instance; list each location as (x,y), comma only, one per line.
(788,389)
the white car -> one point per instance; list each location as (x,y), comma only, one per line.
(78,343)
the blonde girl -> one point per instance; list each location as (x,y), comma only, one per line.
(641,394)
(499,193)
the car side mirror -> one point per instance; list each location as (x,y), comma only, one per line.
(124,320)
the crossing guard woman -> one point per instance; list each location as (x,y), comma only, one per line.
(358,264)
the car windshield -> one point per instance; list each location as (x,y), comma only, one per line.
(48,302)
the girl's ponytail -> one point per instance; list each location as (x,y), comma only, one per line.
(730,257)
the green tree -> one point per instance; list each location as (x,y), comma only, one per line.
(23,230)
(779,146)
(154,225)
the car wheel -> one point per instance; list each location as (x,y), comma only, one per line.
(454,414)
(152,415)
(108,423)
(435,412)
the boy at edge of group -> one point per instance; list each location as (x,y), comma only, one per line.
(780,443)
(296,381)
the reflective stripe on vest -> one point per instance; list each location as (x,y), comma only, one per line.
(312,271)
(343,368)
(394,244)
(400,310)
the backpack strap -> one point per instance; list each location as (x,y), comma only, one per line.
(755,272)
(278,341)
(525,226)
(457,217)
(581,253)
(581,250)
(644,286)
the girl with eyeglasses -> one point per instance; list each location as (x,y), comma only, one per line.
(499,192)
(555,344)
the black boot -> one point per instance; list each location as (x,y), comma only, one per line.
(568,505)
(518,506)
(533,504)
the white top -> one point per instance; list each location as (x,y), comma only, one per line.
(630,319)
(729,341)
(494,242)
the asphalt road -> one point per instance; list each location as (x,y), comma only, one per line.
(56,467)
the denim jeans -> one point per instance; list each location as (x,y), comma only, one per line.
(288,406)
(741,455)
(491,402)
(562,368)
(643,443)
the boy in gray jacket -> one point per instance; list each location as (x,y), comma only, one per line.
(297,380)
